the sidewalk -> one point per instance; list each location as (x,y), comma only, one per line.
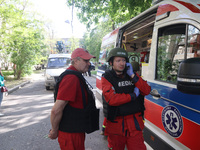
(17,87)
(23,83)
(29,78)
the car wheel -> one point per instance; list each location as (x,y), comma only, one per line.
(47,87)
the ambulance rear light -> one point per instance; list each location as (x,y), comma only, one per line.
(188,77)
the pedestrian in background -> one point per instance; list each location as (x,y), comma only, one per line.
(91,67)
(123,91)
(89,70)
(1,85)
(72,96)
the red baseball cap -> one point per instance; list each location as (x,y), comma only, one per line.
(82,53)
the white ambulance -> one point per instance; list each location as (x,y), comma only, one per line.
(165,41)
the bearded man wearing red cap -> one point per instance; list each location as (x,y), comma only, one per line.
(67,118)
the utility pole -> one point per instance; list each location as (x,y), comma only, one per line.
(72,17)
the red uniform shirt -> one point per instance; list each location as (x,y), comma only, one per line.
(70,90)
(116,99)
(123,123)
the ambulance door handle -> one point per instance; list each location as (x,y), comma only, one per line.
(155,94)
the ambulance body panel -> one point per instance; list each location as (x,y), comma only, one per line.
(163,37)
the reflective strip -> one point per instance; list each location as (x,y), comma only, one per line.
(188,80)
(113,89)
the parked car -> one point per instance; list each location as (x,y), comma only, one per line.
(57,63)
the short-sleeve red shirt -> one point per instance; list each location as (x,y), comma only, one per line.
(70,90)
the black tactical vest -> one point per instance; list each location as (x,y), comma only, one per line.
(122,85)
(75,120)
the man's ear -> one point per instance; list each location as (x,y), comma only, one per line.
(110,63)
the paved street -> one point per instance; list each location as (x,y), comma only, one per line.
(27,119)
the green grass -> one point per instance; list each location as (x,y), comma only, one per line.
(7,73)
(94,72)
(11,81)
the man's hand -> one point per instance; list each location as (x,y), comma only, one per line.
(135,94)
(53,134)
(136,91)
(130,70)
(56,116)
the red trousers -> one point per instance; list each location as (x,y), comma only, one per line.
(134,141)
(71,141)
(104,122)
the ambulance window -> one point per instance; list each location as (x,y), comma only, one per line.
(172,48)
(103,64)
(193,49)
(170,52)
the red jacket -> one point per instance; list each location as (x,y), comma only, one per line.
(123,123)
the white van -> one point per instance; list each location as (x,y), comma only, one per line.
(165,41)
(57,63)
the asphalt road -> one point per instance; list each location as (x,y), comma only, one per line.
(26,122)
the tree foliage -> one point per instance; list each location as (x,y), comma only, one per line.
(26,43)
(92,41)
(74,43)
(21,35)
(107,15)
(116,11)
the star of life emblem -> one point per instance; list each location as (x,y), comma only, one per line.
(172,121)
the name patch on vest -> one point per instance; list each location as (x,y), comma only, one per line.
(125,83)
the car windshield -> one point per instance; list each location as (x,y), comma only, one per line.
(58,62)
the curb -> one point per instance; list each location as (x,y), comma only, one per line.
(17,87)
(94,76)
(27,82)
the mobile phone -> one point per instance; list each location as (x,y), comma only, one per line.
(127,67)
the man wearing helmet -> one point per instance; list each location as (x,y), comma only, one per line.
(123,92)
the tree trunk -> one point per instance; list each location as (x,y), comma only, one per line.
(113,25)
(19,74)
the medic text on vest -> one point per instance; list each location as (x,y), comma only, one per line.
(125,83)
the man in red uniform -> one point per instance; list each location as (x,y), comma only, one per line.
(70,95)
(123,90)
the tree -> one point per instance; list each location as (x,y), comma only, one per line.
(92,41)
(21,35)
(27,43)
(60,46)
(116,11)
(50,39)
(74,42)
(108,15)
(7,12)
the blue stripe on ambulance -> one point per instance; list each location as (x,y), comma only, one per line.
(188,100)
